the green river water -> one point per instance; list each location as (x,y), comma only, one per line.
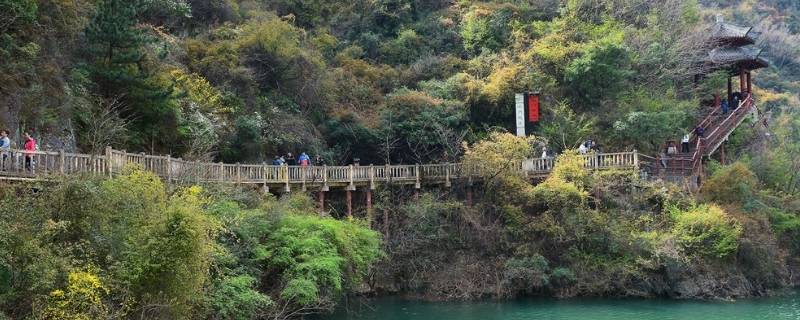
(782,307)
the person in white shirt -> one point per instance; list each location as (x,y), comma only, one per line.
(583,149)
(685,143)
(5,149)
(544,153)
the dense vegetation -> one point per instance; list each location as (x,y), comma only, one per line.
(68,253)
(381,80)
(386,81)
(604,233)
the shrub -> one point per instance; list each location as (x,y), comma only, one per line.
(82,299)
(731,184)
(707,230)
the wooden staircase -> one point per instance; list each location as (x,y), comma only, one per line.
(718,127)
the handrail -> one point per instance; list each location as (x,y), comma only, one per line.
(39,164)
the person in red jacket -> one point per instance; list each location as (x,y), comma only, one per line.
(30,148)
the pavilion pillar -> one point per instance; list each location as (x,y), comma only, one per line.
(742,81)
(349,204)
(416,194)
(730,89)
(749,83)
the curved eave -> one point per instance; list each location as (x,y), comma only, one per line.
(724,34)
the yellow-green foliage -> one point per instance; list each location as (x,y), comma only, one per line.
(500,152)
(731,184)
(199,91)
(569,167)
(82,299)
(707,230)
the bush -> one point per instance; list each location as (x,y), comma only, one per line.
(82,299)
(731,184)
(707,230)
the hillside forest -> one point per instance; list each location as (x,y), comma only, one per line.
(387,82)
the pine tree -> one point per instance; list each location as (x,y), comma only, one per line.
(115,47)
(117,64)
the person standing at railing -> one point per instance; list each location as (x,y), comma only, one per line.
(724,106)
(30,148)
(277,161)
(736,97)
(5,149)
(583,149)
(290,160)
(319,161)
(685,143)
(304,160)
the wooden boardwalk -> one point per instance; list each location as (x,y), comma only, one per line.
(51,165)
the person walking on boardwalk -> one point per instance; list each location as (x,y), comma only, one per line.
(304,160)
(699,131)
(290,160)
(277,161)
(30,148)
(685,143)
(724,106)
(5,149)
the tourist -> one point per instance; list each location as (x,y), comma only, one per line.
(664,159)
(318,161)
(671,148)
(5,149)
(724,106)
(699,131)
(685,143)
(30,148)
(736,98)
(304,160)
(290,160)
(583,149)
(277,161)
(544,152)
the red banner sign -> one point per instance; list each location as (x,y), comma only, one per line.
(533,107)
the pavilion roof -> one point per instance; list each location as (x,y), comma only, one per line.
(735,58)
(731,35)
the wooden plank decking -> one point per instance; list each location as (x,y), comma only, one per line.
(51,165)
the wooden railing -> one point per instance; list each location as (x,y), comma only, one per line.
(45,164)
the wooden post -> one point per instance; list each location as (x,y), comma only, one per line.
(238,173)
(287,187)
(417,183)
(730,89)
(369,206)
(749,83)
(635,159)
(109,161)
(265,187)
(371,177)
(198,171)
(168,169)
(61,161)
(321,203)
(447,175)
(349,204)
(221,172)
(722,153)
(742,82)
(351,173)
(386,224)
